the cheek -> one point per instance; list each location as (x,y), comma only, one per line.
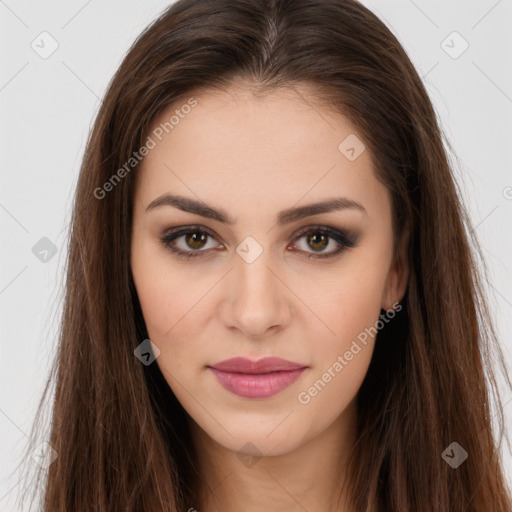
(350,302)
(350,308)
(341,360)
(173,320)
(167,294)
(331,388)
(174,299)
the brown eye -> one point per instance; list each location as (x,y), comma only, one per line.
(317,241)
(187,242)
(196,240)
(191,242)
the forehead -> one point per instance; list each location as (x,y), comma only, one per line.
(255,152)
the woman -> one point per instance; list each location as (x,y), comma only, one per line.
(272,301)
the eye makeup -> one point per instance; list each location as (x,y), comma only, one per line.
(317,235)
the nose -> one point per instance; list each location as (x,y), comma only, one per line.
(256,298)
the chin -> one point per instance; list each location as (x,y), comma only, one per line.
(258,442)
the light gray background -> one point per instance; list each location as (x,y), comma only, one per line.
(47,107)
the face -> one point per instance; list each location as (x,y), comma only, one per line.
(255,274)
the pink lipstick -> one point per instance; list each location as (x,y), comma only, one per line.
(256,379)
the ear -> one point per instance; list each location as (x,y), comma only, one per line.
(398,275)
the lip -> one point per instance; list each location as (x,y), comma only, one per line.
(256,379)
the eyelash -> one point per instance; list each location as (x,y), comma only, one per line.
(344,239)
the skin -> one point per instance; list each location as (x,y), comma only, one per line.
(253,158)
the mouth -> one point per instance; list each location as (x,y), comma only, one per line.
(256,379)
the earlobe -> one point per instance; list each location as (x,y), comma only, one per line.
(398,276)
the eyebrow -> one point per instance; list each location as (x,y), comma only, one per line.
(287,216)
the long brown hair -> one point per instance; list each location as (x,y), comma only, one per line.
(120,434)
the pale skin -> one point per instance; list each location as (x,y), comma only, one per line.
(253,158)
